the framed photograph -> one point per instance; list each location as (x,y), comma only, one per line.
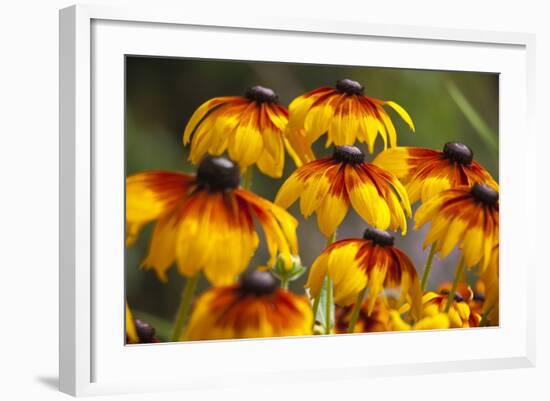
(291,200)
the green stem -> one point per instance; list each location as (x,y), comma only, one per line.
(458,276)
(284,283)
(317,299)
(328,306)
(247,178)
(184,307)
(356,310)
(428,267)
(331,239)
(316,302)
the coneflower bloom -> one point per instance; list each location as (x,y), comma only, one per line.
(379,319)
(254,307)
(205,221)
(345,114)
(249,127)
(327,186)
(371,263)
(426,172)
(459,312)
(464,216)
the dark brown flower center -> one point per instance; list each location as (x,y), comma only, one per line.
(218,174)
(258,283)
(379,237)
(458,297)
(458,152)
(348,154)
(145,331)
(261,94)
(349,87)
(484,194)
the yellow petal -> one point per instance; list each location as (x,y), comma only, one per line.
(290,191)
(246,144)
(435,322)
(131,331)
(200,114)
(317,274)
(331,213)
(162,252)
(402,113)
(316,189)
(151,195)
(318,119)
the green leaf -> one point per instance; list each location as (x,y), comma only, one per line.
(321,311)
(478,123)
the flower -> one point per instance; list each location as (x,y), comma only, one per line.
(345,114)
(255,307)
(464,215)
(379,319)
(205,221)
(249,127)
(327,186)
(372,262)
(459,313)
(426,172)
(436,321)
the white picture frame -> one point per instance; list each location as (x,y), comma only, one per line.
(92,40)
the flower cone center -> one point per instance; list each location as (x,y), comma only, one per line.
(485,194)
(258,283)
(218,174)
(348,154)
(379,237)
(458,152)
(349,87)
(261,94)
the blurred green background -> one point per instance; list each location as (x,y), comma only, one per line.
(162,94)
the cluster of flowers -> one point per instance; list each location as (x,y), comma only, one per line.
(206,222)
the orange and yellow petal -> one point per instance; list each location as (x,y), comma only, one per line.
(151,195)
(345,271)
(225,313)
(279,227)
(209,222)
(331,212)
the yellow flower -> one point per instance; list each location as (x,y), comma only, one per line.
(372,262)
(255,307)
(426,172)
(250,128)
(205,221)
(468,216)
(436,321)
(327,186)
(379,319)
(345,114)
(459,312)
